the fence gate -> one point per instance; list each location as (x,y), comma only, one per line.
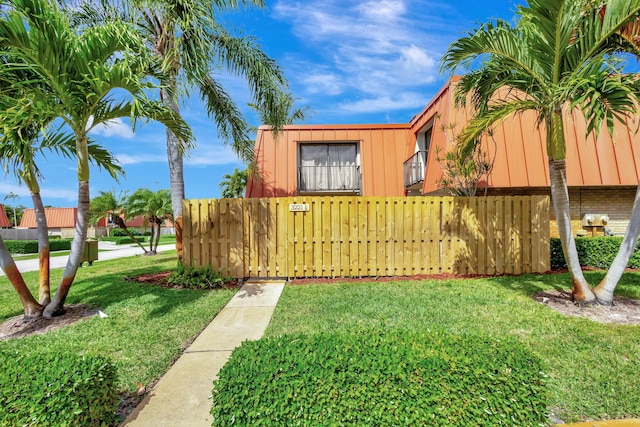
(368,236)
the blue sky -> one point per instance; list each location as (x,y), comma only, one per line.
(351,61)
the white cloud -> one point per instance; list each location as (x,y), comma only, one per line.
(383,49)
(6,188)
(322,83)
(114,128)
(384,103)
(208,154)
(202,155)
(59,193)
(69,194)
(132,159)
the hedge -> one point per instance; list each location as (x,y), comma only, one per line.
(39,389)
(597,252)
(119,232)
(31,246)
(380,380)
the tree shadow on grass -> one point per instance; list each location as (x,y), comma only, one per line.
(529,284)
(114,288)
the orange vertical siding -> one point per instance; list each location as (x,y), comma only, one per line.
(381,147)
(518,143)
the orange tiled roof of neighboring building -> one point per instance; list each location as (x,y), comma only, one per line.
(56,218)
(4,219)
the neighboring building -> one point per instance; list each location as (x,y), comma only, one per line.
(60,221)
(401,159)
(4,219)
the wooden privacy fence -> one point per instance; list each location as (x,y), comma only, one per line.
(367,236)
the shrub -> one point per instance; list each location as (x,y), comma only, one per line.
(22,246)
(380,380)
(31,246)
(197,277)
(598,252)
(117,232)
(57,390)
(60,244)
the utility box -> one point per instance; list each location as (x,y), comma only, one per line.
(90,252)
(595,220)
(595,223)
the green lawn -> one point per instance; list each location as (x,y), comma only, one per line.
(147,326)
(593,368)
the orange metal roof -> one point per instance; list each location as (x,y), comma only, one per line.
(56,218)
(4,219)
(518,143)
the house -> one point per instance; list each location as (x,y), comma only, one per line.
(139,224)
(403,159)
(60,221)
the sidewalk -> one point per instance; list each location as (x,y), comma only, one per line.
(182,396)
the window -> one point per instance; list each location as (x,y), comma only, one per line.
(332,168)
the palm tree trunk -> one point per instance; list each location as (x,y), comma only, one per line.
(152,229)
(176,176)
(44,251)
(560,196)
(8,265)
(56,306)
(121,224)
(604,290)
(158,225)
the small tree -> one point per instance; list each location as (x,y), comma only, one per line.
(463,169)
(155,207)
(111,203)
(74,75)
(233,185)
(13,196)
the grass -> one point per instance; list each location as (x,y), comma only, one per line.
(147,326)
(593,368)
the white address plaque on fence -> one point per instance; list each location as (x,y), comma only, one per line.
(299,207)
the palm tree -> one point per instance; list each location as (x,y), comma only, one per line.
(74,77)
(112,203)
(233,185)
(154,206)
(13,196)
(559,56)
(21,140)
(193,47)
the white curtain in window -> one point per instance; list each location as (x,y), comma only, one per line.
(328,167)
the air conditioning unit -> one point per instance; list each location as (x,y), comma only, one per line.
(595,220)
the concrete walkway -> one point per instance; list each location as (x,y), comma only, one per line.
(182,397)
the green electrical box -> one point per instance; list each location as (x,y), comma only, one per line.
(90,252)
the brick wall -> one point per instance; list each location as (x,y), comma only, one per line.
(615,202)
